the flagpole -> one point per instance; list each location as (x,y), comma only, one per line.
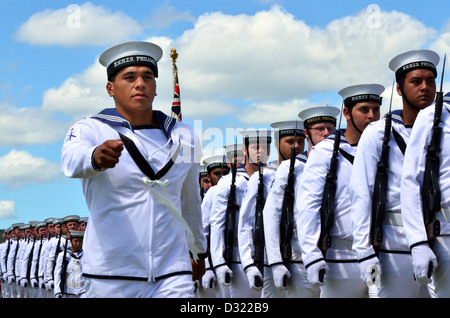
(176,103)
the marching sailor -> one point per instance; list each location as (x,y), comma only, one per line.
(69,282)
(417,87)
(427,250)
(216,167)
(338,262)
(153,201)
(229,270)
(318,123)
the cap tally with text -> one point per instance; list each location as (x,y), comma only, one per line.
(412,60)
(229,149)
(76,234)
(319,114)
(216,161)
(131,53)
(256,135)
(71,218)
(287,128)
(361,93)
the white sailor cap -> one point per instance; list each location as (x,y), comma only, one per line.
(131,53)
(16,225)
(76,234)
(38,225)
(255,135)
(83,219)
(287,128)
(413,60)
(361,93)
(215,162)
(202,171)
(319,114)
(70,218)
(229,149)
(49,221)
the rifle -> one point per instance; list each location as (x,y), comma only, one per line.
(230,215)
(258,241)
(431,194)
(62,283)
(36,270)
(329,192)
(380,185)
(287,210)
(57,250)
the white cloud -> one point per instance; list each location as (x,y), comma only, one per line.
(271,61)
(7,209)
(19,168)
(87,24)
(28,125)
(273,56)
(165,15)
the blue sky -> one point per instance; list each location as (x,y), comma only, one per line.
(241,64)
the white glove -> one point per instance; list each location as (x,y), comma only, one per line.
(370,271)
(279,273)
(316,271)
(422,255)
(208,279)
(253,275)
(222,273)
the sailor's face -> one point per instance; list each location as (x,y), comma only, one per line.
(258,152)
(288,142)
(364,113)
(419,87)
(134,87)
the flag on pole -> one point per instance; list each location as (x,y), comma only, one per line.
(176,103)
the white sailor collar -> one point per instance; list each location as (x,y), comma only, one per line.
(112,117)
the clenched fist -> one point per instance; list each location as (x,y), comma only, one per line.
(107,154)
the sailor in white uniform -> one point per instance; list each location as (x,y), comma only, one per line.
(258,187)
(288,270)
(338,262)
(216,166)
(150,195)
(428,250)
(389,264)
(229,270)
(69,281)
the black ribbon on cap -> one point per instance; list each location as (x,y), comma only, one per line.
(132,60)
(414,66)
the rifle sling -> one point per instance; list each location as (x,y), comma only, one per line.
(400,141)
(346,155)
(142,163)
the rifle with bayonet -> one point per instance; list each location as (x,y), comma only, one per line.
(287,209)
(62,283)
(431,194)
(329,192)
(258,240)
(231,215)
(380,185)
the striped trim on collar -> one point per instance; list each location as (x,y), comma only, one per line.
(112,117)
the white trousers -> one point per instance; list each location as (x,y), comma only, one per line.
(397,278)
(441,276)
(177,286)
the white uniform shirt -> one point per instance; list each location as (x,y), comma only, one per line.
(131,234)
(74,284)
(218,215)
(414,167)
(273,207)
(362,184)
(247,214)
(309,195)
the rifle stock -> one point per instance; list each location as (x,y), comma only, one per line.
(231,214)
(380,185)
(431,194)
(259,226)
(329,192)
(287,215)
